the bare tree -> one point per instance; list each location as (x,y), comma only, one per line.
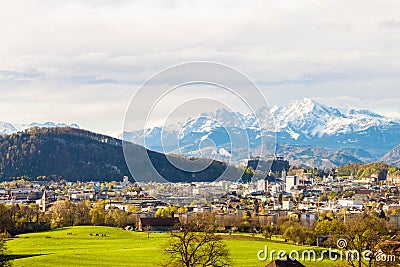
(189,248)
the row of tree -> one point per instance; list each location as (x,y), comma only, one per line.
(19,218)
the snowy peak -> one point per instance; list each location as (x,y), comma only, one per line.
(201,124)
(308,118)
(304,122)
(225,118)
(307,106)
(304,117)
(9,128)
(363,112)
(312,109)
(303,106)
(6,128)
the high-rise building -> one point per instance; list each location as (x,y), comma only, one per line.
(262,185)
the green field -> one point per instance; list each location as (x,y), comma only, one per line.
(122,248)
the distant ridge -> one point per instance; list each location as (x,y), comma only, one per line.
(9,128)
(392,157)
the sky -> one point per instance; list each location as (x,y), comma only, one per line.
(82,61)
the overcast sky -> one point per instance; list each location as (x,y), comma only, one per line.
(82,61)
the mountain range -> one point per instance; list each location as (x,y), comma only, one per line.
(306,132)
(9,128)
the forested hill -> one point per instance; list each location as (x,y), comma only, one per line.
(379,169)
(67,153)
(74,154)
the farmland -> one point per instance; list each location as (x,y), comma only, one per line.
(106,246)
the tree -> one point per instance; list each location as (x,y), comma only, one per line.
(6,223)
(328,225)
(295,233)
(363,233)
(247,174)
(116,218)
(97,214)
(267,231)
(62,214)
(203,221)
(120,218)
(82,216)
(189,248)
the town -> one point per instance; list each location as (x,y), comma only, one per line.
(299,194)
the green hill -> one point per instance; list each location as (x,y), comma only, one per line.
(126,248)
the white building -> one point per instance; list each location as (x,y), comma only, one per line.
(225,186)
(287,205)
(262,185)
(350,203)
(125,181)
(277,188)
(291,181)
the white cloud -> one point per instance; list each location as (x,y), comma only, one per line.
(73,60)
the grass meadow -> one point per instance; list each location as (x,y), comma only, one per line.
(119,247)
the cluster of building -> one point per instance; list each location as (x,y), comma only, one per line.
(119,194)
(301,195)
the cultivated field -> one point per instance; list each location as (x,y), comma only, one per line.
(118,247)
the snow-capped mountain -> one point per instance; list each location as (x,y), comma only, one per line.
(9,128)
(307,122)
(303,122)
(311,119)
(304,117)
